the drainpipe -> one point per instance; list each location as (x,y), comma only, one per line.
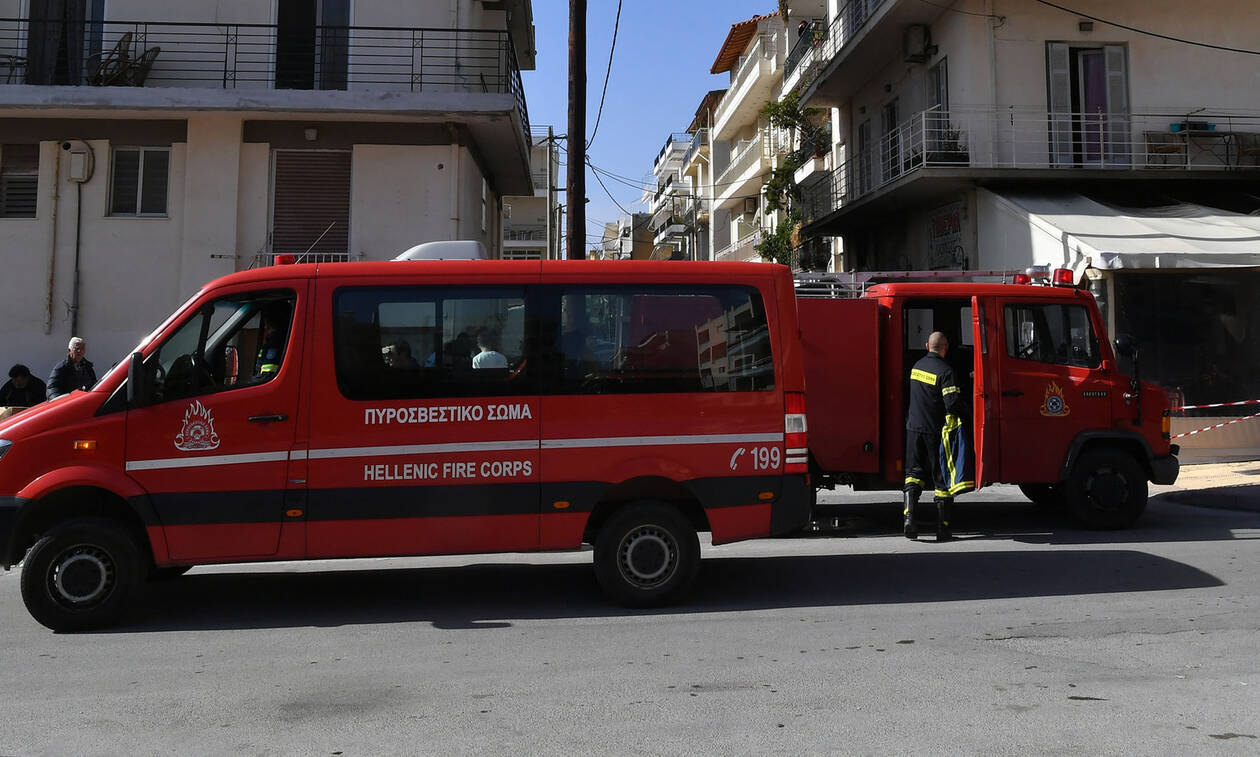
(455,170)
(52,245)
(993,79)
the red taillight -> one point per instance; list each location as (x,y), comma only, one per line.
(796,448)
(1022,278)
(286,259)
(1063,277)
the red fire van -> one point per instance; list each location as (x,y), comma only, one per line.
(415,408)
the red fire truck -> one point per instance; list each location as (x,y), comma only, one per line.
(1052,412)
(420,407)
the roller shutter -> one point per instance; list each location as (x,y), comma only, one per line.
(311,192)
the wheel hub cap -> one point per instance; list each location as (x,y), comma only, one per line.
(648,556)
(82,575)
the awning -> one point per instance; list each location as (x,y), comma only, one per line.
(1074,231)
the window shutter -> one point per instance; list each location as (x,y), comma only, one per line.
(19,180)
(311,192)
(1118,132)
(1059,70)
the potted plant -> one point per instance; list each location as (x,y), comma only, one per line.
(949,147)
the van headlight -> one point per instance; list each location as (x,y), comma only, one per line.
(4,447)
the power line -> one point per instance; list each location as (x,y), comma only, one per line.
(607,75)
(1136,30)
(957,10)
(605,188)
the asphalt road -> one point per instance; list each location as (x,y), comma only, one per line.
(1025,636)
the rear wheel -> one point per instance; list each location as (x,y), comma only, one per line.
(1106,489)
(646,555)
(1045,496)
(80,575)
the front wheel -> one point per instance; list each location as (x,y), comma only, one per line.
(1106,489)
(646,555)
(80,575)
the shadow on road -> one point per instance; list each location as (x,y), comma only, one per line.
(485,595)
(1167,519)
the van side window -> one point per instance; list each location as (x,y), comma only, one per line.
(418,342)
(235,341)
(1058,334)
(640,339)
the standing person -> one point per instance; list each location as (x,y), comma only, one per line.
(75,372)
(22,389)
(933,395)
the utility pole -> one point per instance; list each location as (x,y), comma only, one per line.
(576,194)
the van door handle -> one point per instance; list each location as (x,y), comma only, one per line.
(1015,393)
(268,418)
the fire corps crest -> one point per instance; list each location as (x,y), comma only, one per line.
(1054,405)
(197,434)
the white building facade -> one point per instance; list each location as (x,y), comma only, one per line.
(147,147)
(531,223)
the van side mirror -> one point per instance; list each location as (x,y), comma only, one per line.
(1126,347)
(137,381)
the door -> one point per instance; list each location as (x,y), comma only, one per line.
(1088,94)
(312,44)
(424,423)
(1051,385)
(54,45)
(212,443)
(985,436)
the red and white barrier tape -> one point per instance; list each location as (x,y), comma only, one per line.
(1209,428)
(1218,404)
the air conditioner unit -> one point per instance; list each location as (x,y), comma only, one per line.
(750,206)
(918,43)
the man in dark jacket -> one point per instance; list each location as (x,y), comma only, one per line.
(22,389)
(933,394)
(75,372)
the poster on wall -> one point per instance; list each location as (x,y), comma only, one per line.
(945,238)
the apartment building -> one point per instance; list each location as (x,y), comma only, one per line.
(531,223)
(147,147)
(679,193)
(1003,134)
(628,238)
(743,148)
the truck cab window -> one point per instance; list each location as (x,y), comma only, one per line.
(1056,334)
(232,342)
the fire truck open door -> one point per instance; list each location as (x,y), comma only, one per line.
(985,436)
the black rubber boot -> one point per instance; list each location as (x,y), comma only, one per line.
(943,531)
(909,526)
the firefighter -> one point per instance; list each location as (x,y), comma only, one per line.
(275,324)
(932,433)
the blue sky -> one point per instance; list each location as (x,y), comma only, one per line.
(660,71)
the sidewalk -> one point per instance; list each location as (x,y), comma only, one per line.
(1226,486)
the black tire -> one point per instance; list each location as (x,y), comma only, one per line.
(169,573)
(1106,489)
(81,575)
(1045,496)
(646,555)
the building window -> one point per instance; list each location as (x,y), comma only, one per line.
(138,181)
(19,180)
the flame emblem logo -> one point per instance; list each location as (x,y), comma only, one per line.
(1054,405)
(197,434)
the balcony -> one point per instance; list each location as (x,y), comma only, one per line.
(752,85)
(671,155)
(742,249)
(805,54)
(699,146)
(524,233)
(859,40)
(1010,143)
(130,54)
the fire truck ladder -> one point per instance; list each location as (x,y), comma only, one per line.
(853,284)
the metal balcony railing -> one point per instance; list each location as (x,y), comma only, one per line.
(749,66)
(1206,140)
(699,140)
(741,248)
(530,233)
(811,38)
(846,25)
(262,259)
(263,56)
